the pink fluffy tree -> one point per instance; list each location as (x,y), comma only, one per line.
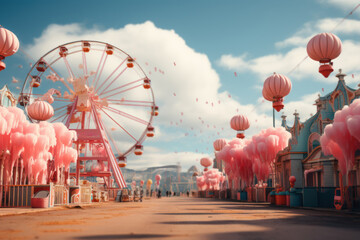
(342,138)
(29,147)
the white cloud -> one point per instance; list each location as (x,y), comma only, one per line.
(188,75)
(291,58)
(305,107)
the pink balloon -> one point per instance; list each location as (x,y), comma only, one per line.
(206,162)
(40,110)
(324,47)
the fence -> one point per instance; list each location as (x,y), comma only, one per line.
(85,194)
(16,195)
(61,195)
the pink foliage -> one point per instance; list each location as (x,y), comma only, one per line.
(31,146)
(210,180)
(342,137)
(244,158)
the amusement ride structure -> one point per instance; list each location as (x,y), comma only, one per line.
(101,93)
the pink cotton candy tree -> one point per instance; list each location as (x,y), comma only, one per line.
(342,138)
(263,149)
(32,147)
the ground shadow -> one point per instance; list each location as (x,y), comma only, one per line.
(192,213)
(124,236)
(344,222)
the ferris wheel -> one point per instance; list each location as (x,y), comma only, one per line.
(102,93)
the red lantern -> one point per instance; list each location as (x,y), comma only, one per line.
(147,83)
(109,50)
(206,162)
(9,44)
(150,131)
(240,123)
(275,88)
(219,144)
(130,63)
(155,110)
(138,149)
(40,110)
(63,51)
(122,161)
(323,48)
(86,47)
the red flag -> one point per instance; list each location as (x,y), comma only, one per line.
(322,89)
(235,74)
(352,75)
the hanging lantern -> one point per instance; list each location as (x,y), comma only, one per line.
(150,131)
(130,62)
(147,82)
(86,47)
(35,81)
(206,162)
(40,110)
(239,123)
(109,50)
(41,66)
(219,144)
(9,44)
(155,110)
(323,48)
(276,87)
(63,51)
(122,161)
(138,149)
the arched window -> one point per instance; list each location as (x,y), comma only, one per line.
(313,141)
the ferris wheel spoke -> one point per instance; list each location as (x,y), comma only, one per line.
(114,80)
(127,115)
(61,100)
(112,140)
(133,101)
(123,91)
(122,86)
(60,112)
(84,65)
(97,69)
(59,77)
(71,74)
(97,89)
(65,114)
(129,104)
(56,109)
(117,123)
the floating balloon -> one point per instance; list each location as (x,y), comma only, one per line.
(276,87)
(9,44)
(240,123)
(323,48)
(40,110)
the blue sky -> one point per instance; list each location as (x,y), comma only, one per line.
(252,38)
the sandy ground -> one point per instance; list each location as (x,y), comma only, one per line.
(180,218)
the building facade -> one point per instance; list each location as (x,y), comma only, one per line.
(7,99)
(303,158)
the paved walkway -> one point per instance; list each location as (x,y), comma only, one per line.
(180,218)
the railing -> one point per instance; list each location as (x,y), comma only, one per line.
(112,193)
(85,194)
(61,194)
(16,195)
